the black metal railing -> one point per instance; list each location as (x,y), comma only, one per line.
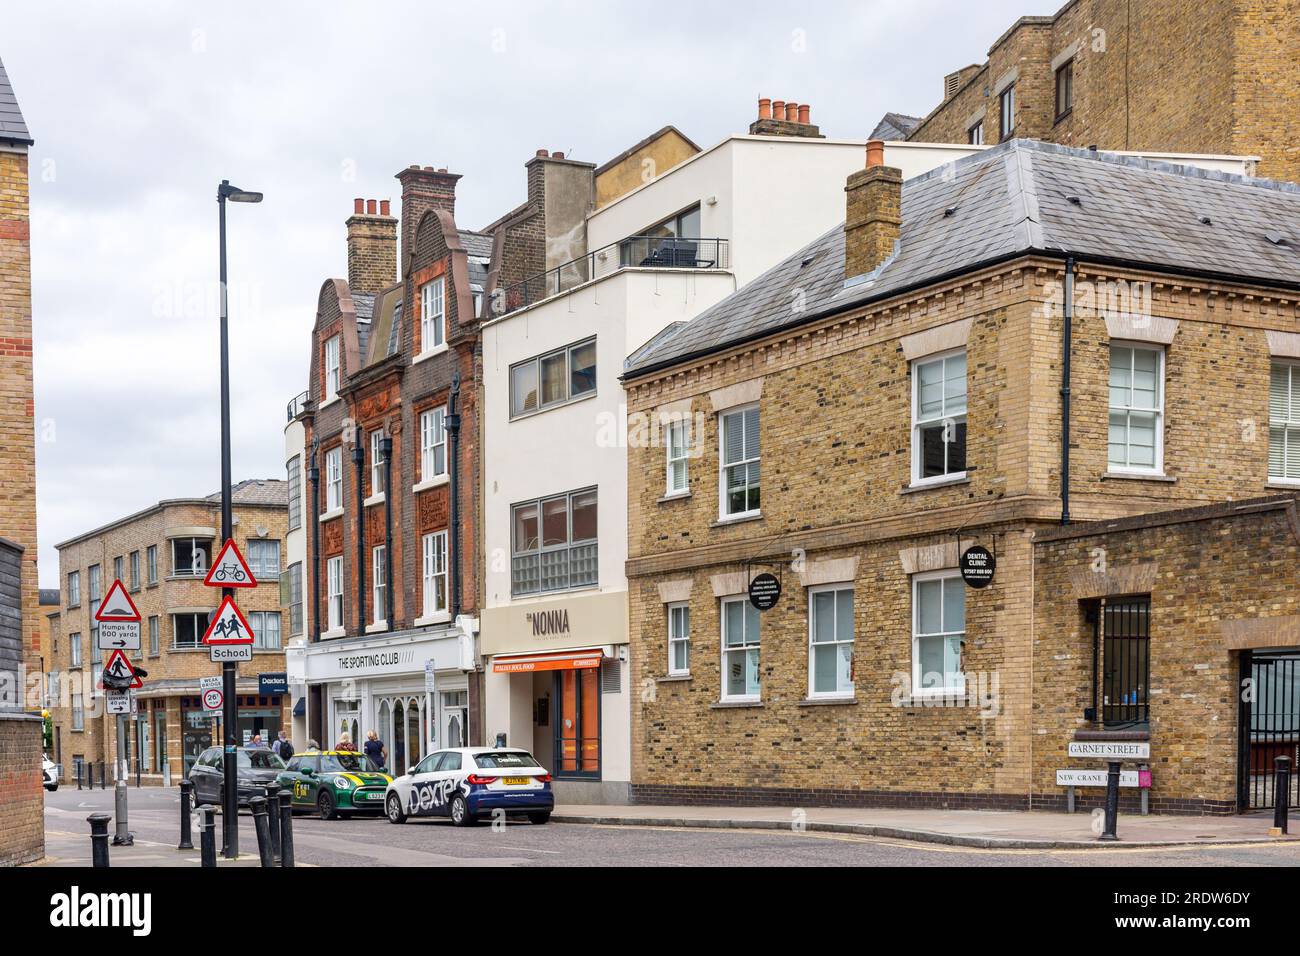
(647,252)
(297,405)
(1126,661)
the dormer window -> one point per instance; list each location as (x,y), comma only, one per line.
(433,328)
(332,369)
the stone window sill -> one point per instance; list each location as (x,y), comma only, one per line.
(375,499)
(437,481)
(673,678)
(1137,476)
(424,356)
(1279,484)
(925,485)
(442,617)
(730,704)
(331,515)
(738,519)
(331,634)
(675,496)
(829,702)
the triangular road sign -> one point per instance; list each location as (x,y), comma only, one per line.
(119,668)
(117,605)
(230,570)
(228,625)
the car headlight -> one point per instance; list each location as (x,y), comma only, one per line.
(342,783)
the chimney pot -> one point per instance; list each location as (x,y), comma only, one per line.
(370,207)
(543,153)
(764,107)
(778,109)
(358,206)
(557,155)
(805,114)
(384,207)
(792,112)
(875,152)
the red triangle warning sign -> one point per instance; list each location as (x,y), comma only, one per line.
(117,605)
(230,570)
(228,625)
(119,668)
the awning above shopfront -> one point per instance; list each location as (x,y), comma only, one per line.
(560,661)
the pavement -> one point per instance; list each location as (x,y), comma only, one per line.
(647,836)
(982,829)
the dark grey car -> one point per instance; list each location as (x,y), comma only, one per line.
(257,767)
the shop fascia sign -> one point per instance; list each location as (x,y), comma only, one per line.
(377,661)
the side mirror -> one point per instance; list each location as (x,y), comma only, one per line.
(306,771)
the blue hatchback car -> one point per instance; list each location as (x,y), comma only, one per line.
(467,783)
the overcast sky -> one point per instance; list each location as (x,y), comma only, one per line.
(139,110)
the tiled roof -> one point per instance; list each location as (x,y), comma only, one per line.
(257,491)
(894,126)
(1016,198)
(13,128)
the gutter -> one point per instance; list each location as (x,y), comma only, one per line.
(1067,314)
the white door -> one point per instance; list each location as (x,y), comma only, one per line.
(455,718)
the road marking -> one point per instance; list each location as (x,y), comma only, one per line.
(526,849)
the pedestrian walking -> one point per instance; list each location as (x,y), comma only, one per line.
(375,749)
(345,743)
(257,743)
(283,747)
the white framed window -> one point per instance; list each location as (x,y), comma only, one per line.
(118,575)
(553,379)
(293,471)
(1136,434)
(939,417)
(677,442)
(376,463)
(266,629)
(74,649)
(433,328)
(154,638)
(379,583)
(74,588)
(135,570)
(938,632)
(264,558)
(435,573)
(433,443)
(333,370)
(78,712)
(679,640)
(334,479)
(1284,422)
(830,641)
(738,482)
(334,585)
(740,647)
(151,563)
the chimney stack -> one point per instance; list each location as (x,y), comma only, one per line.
(783,118)
(423,188)
(873,213)
(372,247)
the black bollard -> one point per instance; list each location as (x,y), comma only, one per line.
(273,818)
(102,770)
(286,828)
(99,838)
(186,788)
(1281,792)
(258,806)
(81,767)
(207,838)
(1112,801)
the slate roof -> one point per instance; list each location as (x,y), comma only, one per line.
(478,251)
(257,491)
(894,126)
(1017,198)
(364,302)
(13,128)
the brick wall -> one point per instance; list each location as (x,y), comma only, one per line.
(22,838)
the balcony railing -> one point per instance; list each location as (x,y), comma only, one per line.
(297,405)
(658,252)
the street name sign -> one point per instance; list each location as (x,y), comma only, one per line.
(117,605)
(230,570)
(230,653)
(1097,778)
(1111,749)
(118,635)
(228,626)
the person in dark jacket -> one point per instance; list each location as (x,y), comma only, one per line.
(375,749)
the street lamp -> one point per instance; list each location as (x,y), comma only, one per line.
(230,709)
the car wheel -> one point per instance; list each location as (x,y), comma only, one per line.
(460,814)
(51,787)
(539,818)
(393,807)
(325,806)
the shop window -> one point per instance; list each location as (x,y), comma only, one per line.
(830,642)
(577,724)
(938,632)
(740,650)
(939,418)
(1136,433)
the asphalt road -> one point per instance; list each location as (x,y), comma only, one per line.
(368,842)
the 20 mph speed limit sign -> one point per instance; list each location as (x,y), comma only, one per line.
(210,691)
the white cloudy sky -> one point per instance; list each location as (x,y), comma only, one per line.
(140,108)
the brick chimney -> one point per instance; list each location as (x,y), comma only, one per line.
(372,246)
(784,118)
(423,188)
(873,213)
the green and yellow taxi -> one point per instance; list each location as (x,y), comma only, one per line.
(334,783)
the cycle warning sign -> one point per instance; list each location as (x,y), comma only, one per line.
(228,626)
(230,570)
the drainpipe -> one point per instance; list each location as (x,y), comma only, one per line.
(453,459)
(386,450)
(1067,312)
(359,459)
(313,476)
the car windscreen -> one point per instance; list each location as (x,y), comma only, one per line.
(260,760)
(505,760)
(347,763)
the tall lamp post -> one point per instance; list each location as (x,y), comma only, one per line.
(229,709)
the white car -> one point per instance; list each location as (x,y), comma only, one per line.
(49,773)
(465,783)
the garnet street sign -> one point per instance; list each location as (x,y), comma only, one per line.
(1111,750)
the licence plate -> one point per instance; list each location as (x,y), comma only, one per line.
(373,796)
(517,781)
